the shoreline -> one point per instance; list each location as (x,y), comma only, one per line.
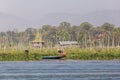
(63,60)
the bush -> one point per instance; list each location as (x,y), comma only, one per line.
(72,53)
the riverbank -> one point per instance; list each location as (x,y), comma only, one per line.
(72,53)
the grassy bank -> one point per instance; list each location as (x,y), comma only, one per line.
(72,53)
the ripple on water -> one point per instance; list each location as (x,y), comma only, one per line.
(60,70)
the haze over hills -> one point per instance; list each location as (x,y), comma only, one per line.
(10,22)
(96,18)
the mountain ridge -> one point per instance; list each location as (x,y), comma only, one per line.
(96,18)
(9,22)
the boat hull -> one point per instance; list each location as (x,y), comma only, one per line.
(52,57)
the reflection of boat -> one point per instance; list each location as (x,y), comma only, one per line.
(52,57)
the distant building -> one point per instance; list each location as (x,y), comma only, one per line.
(38,43)
(68,43)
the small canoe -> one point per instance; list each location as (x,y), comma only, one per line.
(52,57)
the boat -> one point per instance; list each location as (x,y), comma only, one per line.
(52,57)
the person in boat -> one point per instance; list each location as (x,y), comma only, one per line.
(61,53)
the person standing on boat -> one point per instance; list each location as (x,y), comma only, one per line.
(61,53)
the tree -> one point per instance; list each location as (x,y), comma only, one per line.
(30,34)
(64,35)
(86,26)
(107,26)
(64,25)
(46,27)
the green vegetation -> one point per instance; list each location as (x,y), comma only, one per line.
(74,53)
(95,43)
(86,34)
(94,54)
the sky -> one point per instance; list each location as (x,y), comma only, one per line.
(32,9)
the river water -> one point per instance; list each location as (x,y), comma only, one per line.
(60,70)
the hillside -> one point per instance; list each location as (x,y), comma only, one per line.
(96,18)
(10,22)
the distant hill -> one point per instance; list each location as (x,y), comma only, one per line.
(100,17)
(96,18)
(10,22)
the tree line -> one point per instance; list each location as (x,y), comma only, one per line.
(86,34)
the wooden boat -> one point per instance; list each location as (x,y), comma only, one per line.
(52,57)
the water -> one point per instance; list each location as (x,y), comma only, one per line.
(60,70)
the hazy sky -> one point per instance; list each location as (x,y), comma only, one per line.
(31,9)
